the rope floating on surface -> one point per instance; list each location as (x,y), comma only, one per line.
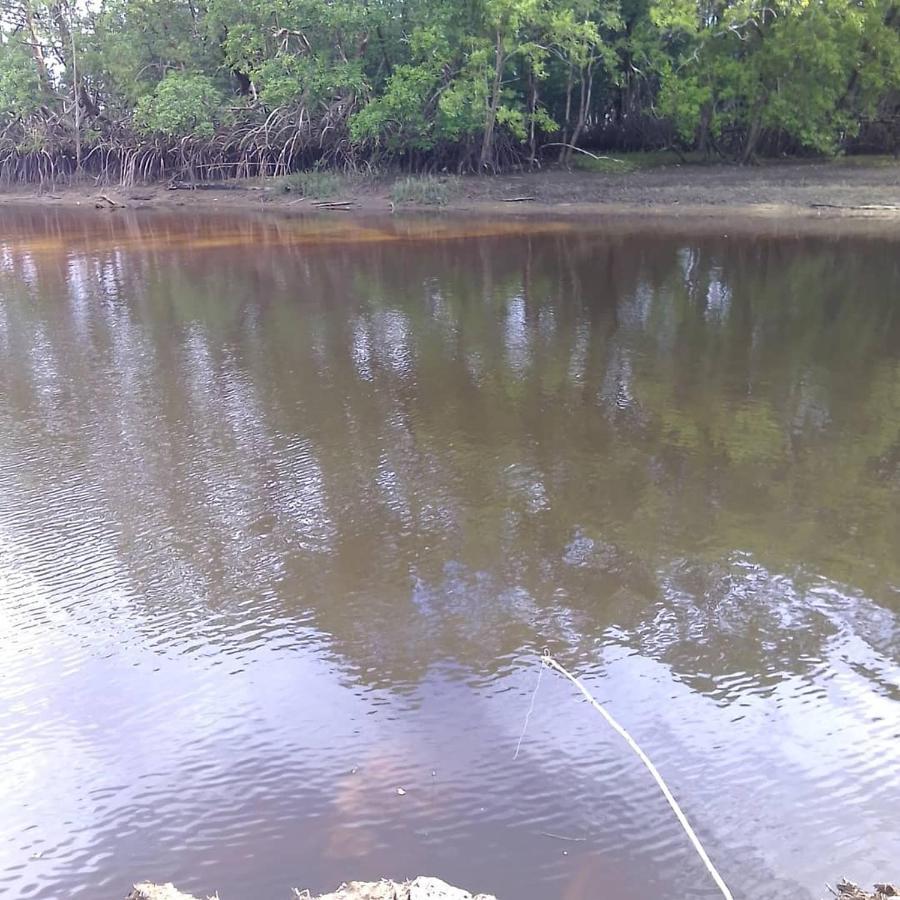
(528,714)
(548,660)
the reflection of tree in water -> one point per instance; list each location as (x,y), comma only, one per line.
(732,627)
(448,451)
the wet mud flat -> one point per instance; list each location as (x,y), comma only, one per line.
(797,190)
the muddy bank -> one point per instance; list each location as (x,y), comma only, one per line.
(420,888)
(795,190)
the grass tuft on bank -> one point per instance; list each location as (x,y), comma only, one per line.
(425,190)
(316,184)
(626,163)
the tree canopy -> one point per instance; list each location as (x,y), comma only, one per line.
(143,88)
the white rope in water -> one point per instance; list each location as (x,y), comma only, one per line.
(548,660)
(528,714)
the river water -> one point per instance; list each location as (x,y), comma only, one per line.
(289,510)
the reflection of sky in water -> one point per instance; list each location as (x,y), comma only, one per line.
(264,559)
(277,740)
(517,339)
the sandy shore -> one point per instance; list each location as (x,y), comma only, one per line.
(816,196)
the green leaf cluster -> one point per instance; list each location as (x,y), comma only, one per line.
(182,104)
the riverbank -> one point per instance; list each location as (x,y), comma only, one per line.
(842,190)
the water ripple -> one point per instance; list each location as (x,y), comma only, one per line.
(284,529)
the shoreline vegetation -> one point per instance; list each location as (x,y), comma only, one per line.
(797,194)
(141,91)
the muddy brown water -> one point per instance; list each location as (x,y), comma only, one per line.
(288,510)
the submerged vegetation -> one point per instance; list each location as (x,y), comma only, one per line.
(144,89)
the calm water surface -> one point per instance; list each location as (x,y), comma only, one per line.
(285,519)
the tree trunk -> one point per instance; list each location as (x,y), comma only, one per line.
(532,143)
(37,51)
(584,106)
(61,14)
(487,144)
(77,94)
(703,136)
(752,138)
(565,133)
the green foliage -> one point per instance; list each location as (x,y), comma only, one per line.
(462,104)
(131,44)
(20,88)
(182,104)
(295,51)
(682,98)
(471,84)
(401,117)
(803,70)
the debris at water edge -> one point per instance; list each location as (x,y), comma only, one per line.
(847,890)
(420,888)
(147,891)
